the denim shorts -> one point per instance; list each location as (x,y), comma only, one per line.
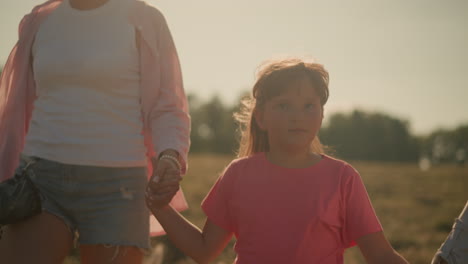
(100,205)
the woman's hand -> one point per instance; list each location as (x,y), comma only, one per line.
(164,183)
(164,166)
(159,195)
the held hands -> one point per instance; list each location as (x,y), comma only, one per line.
(164,182)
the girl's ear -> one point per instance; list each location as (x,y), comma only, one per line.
(258,116)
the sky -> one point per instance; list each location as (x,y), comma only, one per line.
(407,58)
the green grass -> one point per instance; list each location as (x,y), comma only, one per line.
(416,208)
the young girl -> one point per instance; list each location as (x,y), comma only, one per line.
(284,200)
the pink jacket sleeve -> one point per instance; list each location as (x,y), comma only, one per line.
(170,120)
(164,104)
(16,102)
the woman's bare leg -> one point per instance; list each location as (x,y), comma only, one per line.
(42,239)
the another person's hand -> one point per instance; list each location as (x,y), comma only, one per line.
(164,182)
(160,194)
(167,166)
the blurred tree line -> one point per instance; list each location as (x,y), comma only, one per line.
(446,145)
(369,136)
(357,135)
(213,127)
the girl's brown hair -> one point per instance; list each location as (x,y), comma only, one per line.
(273,77)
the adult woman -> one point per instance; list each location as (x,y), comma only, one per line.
(91,92)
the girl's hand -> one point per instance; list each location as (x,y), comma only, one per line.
(164,183)
(159,195)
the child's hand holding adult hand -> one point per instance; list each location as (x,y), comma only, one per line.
(163,184)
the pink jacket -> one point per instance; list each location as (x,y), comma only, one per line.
(166,122)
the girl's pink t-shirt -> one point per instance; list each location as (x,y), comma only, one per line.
(284,215)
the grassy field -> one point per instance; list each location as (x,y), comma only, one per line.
(416,208)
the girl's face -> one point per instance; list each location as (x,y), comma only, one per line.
(293,118)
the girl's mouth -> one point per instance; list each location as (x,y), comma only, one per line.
(297,130)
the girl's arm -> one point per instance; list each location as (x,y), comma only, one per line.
(202,246)
(377,250)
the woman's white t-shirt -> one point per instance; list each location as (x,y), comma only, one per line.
(87,75)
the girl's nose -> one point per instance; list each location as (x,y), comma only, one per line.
(297,114)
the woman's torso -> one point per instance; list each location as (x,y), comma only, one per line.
(86,70)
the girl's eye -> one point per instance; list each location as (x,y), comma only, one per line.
(310,106)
